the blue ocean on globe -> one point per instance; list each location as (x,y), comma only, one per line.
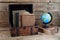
(46,18)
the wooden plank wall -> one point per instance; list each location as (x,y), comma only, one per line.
(39,7)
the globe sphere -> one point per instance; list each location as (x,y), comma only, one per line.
(46,18)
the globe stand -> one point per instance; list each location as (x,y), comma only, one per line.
(45,26)
(46,19)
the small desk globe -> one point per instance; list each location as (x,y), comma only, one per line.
(46,18)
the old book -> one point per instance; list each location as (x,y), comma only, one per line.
(24,31)
(49,31)
(27,18)
(16,19)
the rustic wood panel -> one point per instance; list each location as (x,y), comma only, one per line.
(4,19)
(39,7)
(46,7)
(29,0)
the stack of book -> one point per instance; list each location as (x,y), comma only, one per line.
(24,23)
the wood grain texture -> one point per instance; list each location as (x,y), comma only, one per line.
(38,8)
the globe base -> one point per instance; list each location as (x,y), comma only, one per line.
(45,26)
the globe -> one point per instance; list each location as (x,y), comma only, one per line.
(46,18)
